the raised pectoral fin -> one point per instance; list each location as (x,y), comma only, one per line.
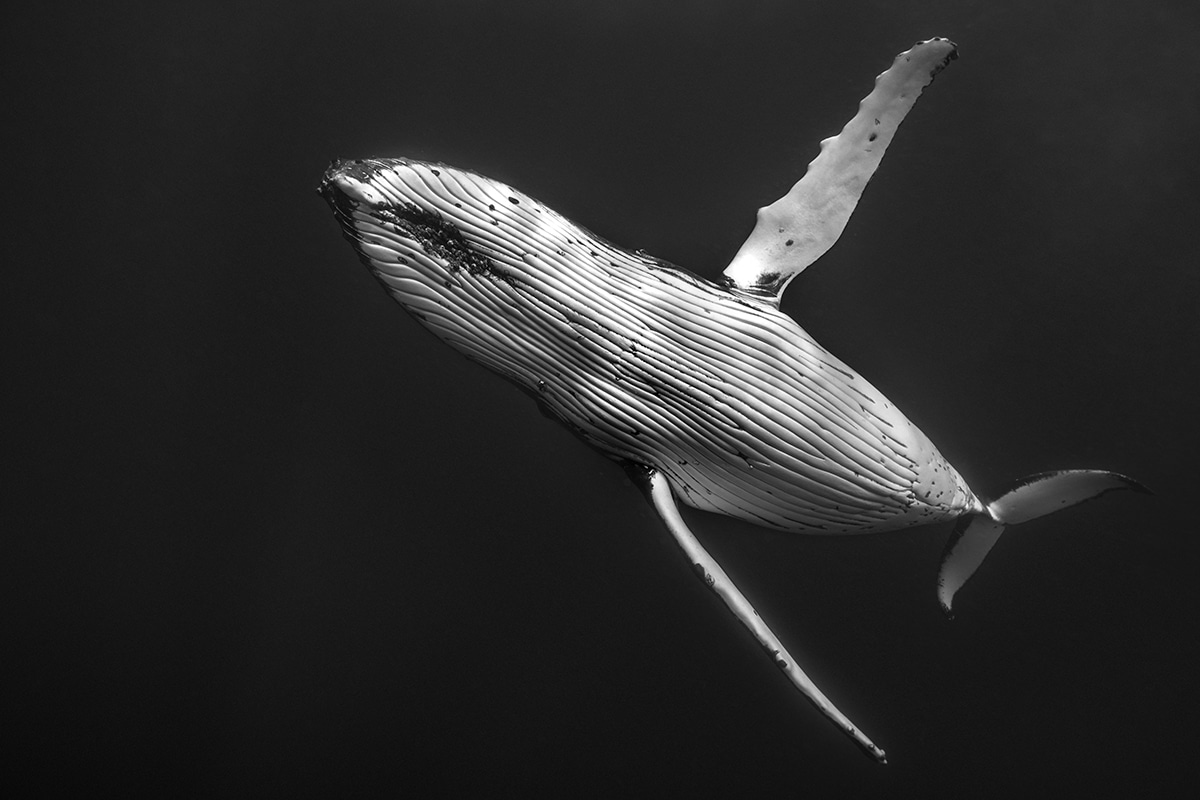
(715,578)
(799,227)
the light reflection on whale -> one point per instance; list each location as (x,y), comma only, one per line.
(708,392)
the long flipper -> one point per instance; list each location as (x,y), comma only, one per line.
(799,227)
(1029,498)
(715,578)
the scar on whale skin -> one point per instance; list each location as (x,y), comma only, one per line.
(705,390)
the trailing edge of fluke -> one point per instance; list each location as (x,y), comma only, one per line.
(706,390)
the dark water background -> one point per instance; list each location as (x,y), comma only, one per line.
(262,535)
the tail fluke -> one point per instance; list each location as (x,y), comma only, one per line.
(1030,498)
(969,544)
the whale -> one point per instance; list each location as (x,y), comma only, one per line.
(705,390)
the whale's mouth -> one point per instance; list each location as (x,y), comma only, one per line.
(390,219)
(334,187)
(349,186)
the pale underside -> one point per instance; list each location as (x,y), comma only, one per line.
(717,394)
(720,400)
(744,412)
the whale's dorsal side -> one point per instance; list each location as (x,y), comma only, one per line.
(801,226)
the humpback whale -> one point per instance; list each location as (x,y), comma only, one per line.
(705,390)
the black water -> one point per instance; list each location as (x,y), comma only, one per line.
(265,536)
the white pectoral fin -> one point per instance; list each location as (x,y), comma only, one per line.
(1029,498)
(715,578)
(799,227)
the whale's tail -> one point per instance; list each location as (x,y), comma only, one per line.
(1029,498)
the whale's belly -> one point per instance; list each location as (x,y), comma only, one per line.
(745,413)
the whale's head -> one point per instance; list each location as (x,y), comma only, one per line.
(413,223)
(458,250)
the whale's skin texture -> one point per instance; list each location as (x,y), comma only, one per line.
(705,390)
(734,402)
